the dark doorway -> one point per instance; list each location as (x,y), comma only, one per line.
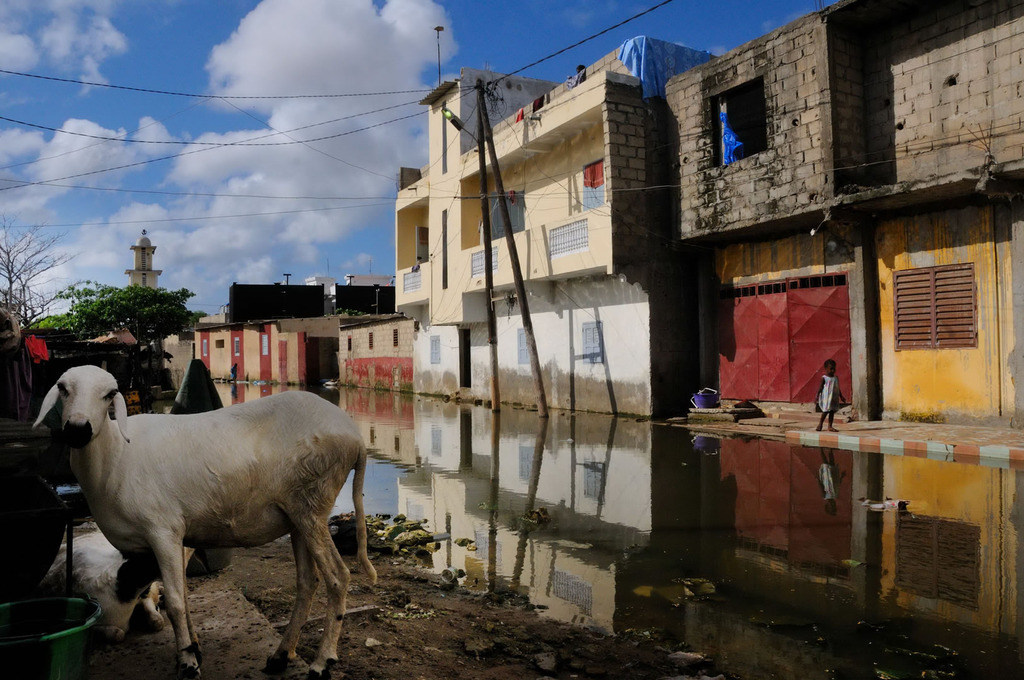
(465,364)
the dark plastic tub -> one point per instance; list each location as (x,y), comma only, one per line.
(46,639)
(33,520)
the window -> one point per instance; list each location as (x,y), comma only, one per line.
(525,461)
(350,343)
(593,345)
(568,238)
(142,260)
(370,341)
(740,122)
(593,185)
(516,213)
(143,279)
(444,249)
(264,344)
(206,347)
(435,442)
(524,354)
(394,337)
(435,349)
(237,346)
(593,479)
(935,307)
(478,266)
(219,343)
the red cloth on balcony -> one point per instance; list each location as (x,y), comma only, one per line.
(593,175)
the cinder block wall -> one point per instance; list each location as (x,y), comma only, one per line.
(944,88)
(791,176)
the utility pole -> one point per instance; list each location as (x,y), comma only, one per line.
(485,216)
(513,253)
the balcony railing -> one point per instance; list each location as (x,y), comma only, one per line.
(477,265)
(412,281)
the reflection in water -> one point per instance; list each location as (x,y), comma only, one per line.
(782,561)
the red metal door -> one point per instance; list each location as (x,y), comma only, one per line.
(773,346)
(819,328)
(737,344)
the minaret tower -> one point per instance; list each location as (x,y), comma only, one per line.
(143,274)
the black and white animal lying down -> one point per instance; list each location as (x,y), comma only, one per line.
(121,585)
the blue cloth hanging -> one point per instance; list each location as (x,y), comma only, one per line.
(732,147)
(655,61)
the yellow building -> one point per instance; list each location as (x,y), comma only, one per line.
(607,297)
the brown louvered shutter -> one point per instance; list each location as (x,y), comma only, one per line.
(935,307)
(955,307)
(915,313)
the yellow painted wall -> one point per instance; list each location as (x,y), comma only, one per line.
(976,495)
(742,263)
(946,382)
(542,158)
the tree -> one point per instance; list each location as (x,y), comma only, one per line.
(27,255)
(149,313)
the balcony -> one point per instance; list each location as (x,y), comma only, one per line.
(413,286)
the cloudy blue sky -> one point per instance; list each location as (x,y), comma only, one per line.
(252,138)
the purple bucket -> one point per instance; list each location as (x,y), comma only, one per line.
(705,399)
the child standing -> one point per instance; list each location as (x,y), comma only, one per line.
(829,395)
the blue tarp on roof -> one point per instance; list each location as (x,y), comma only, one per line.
(655,61)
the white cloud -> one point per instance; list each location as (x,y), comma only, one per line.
(17,52)
(279,48)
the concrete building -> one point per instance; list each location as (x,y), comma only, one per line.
(143,273)
(585,165)
(299,351)
(872,214)
(376,352)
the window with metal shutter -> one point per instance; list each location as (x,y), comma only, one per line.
(935,307)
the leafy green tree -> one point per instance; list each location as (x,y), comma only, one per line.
(149,313)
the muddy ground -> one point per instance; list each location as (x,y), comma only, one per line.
(412,626)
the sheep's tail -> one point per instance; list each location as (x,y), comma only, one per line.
(359,476)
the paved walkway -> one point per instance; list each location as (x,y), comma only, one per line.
(972,445)
(236,640)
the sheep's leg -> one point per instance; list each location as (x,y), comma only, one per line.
(336,578)
(186,555)
(306,582)
(172,570)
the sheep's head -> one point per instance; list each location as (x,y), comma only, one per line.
(86,394)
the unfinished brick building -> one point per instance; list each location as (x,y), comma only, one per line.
(854,178)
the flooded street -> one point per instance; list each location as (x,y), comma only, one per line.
(781,561)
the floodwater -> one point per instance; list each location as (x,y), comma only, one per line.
(768,556)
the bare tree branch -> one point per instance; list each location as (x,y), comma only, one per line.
(26,256)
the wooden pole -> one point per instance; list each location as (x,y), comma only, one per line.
(513,256)
(492,326)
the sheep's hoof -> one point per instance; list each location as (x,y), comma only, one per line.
(325,674)
(187,671)
(196,651)
(276,664)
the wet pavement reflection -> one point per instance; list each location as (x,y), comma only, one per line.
(782,561)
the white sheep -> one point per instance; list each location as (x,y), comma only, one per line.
(236,477)
(120,585)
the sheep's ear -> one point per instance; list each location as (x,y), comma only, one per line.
(121,415)
(48,403)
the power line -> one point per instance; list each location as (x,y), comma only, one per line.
(178,155)
(587,39)
(195,95)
